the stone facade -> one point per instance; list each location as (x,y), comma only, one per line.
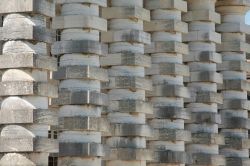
(124,83)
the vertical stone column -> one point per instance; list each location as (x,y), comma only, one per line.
(166,73)
(80,99)
(126,65)
(203,83)
(234,68)
(28,136)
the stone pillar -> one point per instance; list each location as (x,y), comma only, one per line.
(126,65)
(234,68)
(80,99)
(203,83)
(166,72)
(28,134)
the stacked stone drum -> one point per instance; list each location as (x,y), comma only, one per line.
(234,68)
(80,101)
(28,134)
(203,83)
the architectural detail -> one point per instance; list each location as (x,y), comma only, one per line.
(203,82)
(234,68)
(132,83)
(127,84)
(28,125)
(80,100)
(167,72)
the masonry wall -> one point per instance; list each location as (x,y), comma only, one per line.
(124,83)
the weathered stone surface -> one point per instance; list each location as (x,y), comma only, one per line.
(8,61)
(126,58)
(129,154)
(98,2)
(80,72)
(204,76)
(233,46)
(132,83)
(232,161)
(205,117)
(79,21)
(202,36)
(166,25)
(208,97)
(172,135)
(171,112)
(207,138)
(8,88)
(204,56)
(133,106)
(169,46)
(235,85)
(208,159)
(166,4)
(25,32)
(168,90)
(133,36)
(129,130)
(235,104)
(26,116)
(235,122)
(233,27)
(201,15)
(234,66)
(126,12)
(67,97)
(168,69)
(236,143)
(80,46)
(43,7)
(171,157)
(80,149)
(11,159)
(82,123)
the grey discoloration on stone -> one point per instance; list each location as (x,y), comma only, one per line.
(27,32)
(133,36)
(43,7)
(131,83)
(129,154)
(131,106)
(129,130)
(126,58)
(208,159)
(172,135)
(169,46)
(166,25)
(102,3)
(167,90)
(171,112)
(208,138)
(27,61)
(25,116)
(79,21)
(80,149)
(67,97)
(171,157)
(80,72)
(126,12)
(201,15)
(204,56)
(168,69)
(167,4)
(28,88)
(234,66)
(80,46)
(205,117)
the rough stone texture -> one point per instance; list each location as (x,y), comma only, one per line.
(234,112)
(80,99)
(203,81)
(167,72)
(127,84)
(26,87)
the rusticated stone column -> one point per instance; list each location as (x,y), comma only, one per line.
(28,133)
(126,65)
(203,83)
(234,68)
(80,99)
(166,73)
